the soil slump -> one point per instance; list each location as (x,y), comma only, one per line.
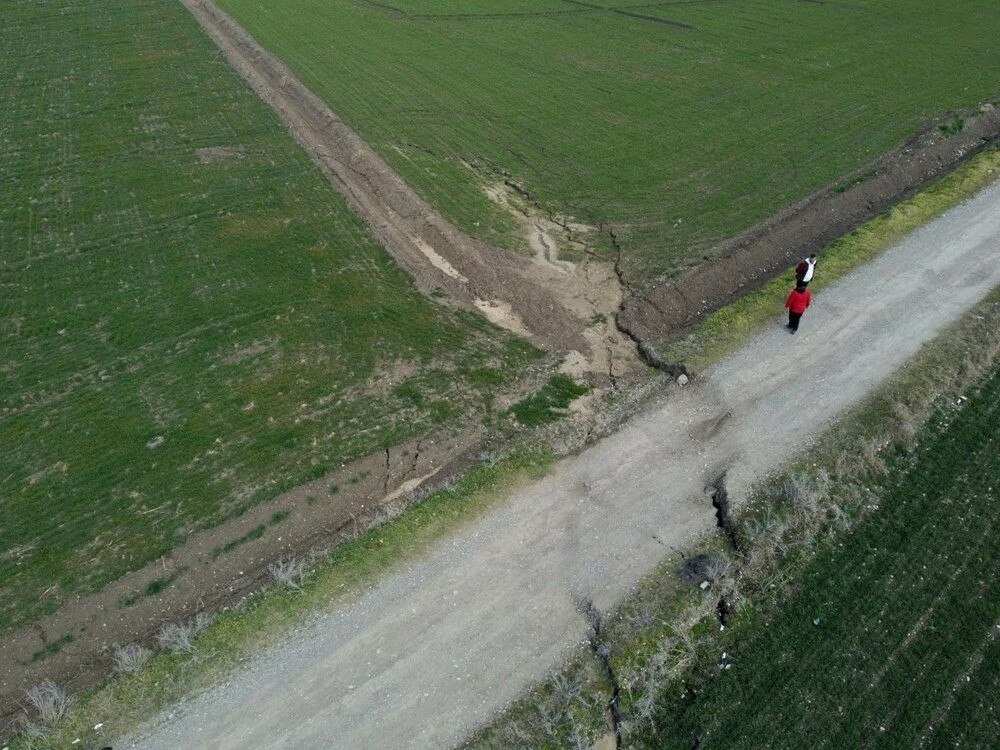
(589,287)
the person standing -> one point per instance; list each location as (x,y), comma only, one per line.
(804,271)
(797,303)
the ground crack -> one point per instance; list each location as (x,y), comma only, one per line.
(647,353)
(723,513)
(723,610)
(556,219)
(602,652)
(385,481)
(416,458)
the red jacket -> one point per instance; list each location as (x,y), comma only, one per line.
(798,301)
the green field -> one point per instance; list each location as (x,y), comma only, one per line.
(191,320)
(892,638)
(678,123)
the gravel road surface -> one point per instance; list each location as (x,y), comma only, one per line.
(427,655)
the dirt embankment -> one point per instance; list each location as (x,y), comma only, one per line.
(746,262)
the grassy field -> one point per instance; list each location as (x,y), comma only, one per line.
(191,320)
(892,638)
(679,123)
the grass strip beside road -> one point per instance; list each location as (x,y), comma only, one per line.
(730,327)
(240,634)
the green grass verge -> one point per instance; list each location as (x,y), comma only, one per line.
(730,327)
(549,403)
(680,125)
(238,634)
(191,319)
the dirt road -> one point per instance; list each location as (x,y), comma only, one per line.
(430,653)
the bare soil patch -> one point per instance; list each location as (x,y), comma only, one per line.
(213,154)
(746,262)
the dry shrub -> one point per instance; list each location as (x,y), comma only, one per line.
(288,573)
(130,658)
(388,512)
(178,638)
(804,492)
(906,424)
(48,704)
(580,738)
(564,689)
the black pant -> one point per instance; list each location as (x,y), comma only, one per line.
(793,320)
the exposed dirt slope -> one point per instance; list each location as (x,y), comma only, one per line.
(427,655)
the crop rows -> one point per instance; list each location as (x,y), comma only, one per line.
(678,123)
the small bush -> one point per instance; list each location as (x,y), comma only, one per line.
(178,638)
(129,659)
(287,573)
(49,704)
(565,689)
(803,492)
